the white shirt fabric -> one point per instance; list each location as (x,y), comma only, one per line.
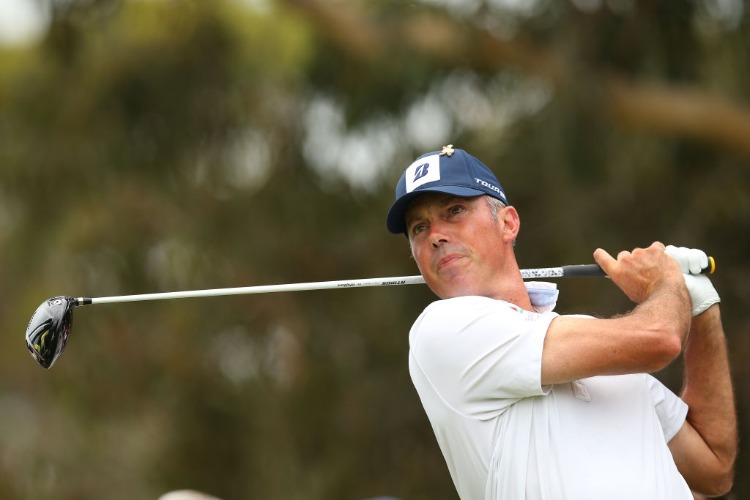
(476,364)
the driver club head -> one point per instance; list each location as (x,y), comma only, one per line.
(49,329)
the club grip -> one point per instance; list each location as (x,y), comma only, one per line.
(584,270)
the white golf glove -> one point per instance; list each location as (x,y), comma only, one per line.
(691,261)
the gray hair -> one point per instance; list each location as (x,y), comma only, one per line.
(495,207)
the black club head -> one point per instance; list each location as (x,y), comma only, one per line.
(49,329)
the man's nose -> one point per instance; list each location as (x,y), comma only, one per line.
(438,234)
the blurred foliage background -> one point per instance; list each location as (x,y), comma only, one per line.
(159,145)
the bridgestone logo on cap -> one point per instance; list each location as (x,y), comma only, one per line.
(422,171)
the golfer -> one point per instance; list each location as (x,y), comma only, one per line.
(529,404)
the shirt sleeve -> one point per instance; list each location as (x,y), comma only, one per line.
(479,354)
(670,409)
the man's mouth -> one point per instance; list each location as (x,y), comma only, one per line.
(448,260)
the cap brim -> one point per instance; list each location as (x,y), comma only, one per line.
(395,221)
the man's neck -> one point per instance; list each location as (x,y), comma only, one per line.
(513,290)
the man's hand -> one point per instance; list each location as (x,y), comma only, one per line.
(692,260)
(640,272)
(643,341)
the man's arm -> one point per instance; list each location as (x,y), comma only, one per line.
(706,446)
(645,340)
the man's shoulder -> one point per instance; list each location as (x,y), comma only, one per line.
(464,305)
(460,310)
(463,301)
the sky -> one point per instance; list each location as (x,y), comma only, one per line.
(24,21)
(21,21)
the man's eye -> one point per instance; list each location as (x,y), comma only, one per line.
(455,209)
(417,228)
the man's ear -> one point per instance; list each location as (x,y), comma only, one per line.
(511,223)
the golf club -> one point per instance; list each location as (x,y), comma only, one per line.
(50,325)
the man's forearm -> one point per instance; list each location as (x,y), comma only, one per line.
(707,386)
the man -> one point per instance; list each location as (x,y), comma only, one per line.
(529,404)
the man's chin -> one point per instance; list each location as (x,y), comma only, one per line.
(448,289)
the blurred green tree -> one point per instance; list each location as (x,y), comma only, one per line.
(155,146)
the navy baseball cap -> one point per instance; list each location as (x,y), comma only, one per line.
(451,171)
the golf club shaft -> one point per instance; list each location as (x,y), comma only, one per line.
(548,272)
(249,290)
(571,271)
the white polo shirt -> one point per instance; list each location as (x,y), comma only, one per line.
(476,364)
